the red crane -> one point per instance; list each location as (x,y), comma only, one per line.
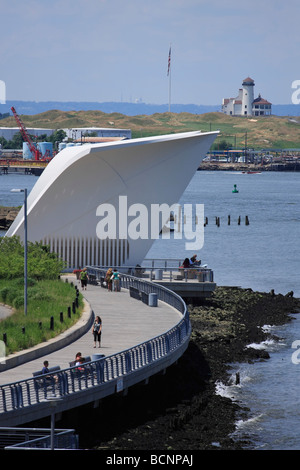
(37,154)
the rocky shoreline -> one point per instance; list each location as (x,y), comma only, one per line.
(180,411)
(7,216)
(249,167)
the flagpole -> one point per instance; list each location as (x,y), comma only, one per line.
(170,91)
(169,74)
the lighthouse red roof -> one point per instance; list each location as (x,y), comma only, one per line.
(261,100)
(248,81)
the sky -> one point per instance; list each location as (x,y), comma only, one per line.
(117,50)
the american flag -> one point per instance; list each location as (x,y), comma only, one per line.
(169,61)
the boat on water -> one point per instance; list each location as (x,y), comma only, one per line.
(251,172)
(84,202)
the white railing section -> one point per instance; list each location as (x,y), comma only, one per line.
(62,383)
(37,438)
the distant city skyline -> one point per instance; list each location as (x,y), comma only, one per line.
(111,50)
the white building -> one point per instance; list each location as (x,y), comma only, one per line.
(9,132)
(72,133)
(77,133)
(245,104)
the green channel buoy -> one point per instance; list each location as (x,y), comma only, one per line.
(234,189)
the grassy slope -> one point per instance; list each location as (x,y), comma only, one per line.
(263,132)
(45,299)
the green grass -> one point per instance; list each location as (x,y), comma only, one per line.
(46,298)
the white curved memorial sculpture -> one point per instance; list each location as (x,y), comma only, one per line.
(68,208)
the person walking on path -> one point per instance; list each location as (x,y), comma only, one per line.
(97,330)
(108,279)
(84,278)
(116,280)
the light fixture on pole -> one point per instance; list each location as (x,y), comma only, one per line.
(25,244)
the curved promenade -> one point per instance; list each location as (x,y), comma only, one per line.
(137,340)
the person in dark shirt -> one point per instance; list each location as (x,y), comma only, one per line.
(45,369)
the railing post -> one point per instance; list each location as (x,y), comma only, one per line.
(4,400)
(149,353)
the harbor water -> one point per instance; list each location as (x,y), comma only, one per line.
(261,255)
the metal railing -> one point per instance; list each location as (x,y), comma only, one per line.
(168,270)
(98,373)
(37,438)
(175,271)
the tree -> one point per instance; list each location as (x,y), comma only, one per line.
(222,145)
(57,136)
(16,142)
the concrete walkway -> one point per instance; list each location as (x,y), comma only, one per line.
(126,322)
(5,311)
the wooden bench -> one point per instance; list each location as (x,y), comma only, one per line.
(92,280)
(134,292)
(45,380)
(144,297)
(51,369)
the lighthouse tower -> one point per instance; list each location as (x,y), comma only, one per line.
(248,96)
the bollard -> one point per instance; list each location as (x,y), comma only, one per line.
(239,220)
(61,317)
(246,220)
(51,323)
(4,338)
(73,307)
(23,330)
(69,312)
(77,302)
(229,220)
(40,325)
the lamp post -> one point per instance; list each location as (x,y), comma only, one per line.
(25,244)
(53,401)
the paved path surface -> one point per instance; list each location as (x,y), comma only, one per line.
(125,322)
(5,311)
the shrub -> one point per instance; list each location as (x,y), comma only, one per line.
(4,293)
(41,264)
(18,301)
